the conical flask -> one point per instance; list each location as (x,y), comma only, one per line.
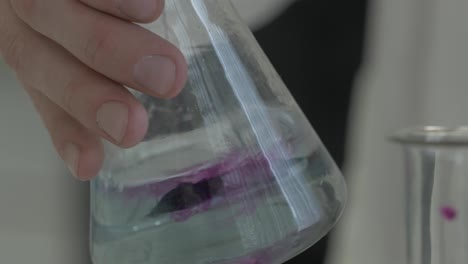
(230,171)
(436,195)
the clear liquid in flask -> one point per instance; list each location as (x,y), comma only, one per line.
(228,208)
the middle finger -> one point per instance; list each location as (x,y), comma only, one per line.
(120,50)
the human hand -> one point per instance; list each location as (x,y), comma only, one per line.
(74,57)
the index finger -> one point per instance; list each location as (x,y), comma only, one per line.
(120,50)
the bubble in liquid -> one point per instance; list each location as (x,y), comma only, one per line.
(448,212)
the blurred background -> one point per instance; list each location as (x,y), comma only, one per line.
(360,69)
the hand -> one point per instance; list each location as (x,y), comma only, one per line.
(74,57)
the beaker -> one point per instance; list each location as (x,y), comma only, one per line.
(230,171)
(436,209)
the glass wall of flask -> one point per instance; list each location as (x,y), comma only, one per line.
(231,171)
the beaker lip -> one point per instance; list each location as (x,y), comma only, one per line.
(432,135)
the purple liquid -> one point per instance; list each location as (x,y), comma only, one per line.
(225,166)
(449,213)
(200,188)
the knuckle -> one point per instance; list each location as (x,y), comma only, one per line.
(58,125)
(69,94)
(25,8)
(12,49)
(58,121)
(101,43)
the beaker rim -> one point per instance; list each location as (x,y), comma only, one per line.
(432,135)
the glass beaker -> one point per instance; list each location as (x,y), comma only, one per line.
(230,171)
(436,168)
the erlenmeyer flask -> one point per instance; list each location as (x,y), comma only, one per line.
(436,168)
(230,170)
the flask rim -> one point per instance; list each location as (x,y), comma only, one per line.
(432,135)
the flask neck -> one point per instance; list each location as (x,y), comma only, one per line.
(188,23)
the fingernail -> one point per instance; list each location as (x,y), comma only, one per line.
(138,9)
(156,73)
(112,117)
(71,156)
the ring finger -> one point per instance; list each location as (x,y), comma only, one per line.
(81,150)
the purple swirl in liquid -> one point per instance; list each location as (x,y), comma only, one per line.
(247,165)
(239,176)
